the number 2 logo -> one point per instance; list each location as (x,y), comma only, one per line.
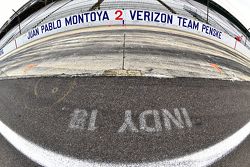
(119,14)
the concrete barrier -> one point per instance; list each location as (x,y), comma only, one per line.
(123,18)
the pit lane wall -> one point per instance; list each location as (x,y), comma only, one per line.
(123,18)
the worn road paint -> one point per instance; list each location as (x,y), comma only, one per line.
(128,123)
(79,120)
(49,158)
(186,117)
(143,121)
(92,120)
(29,67)
(176,119)
(54,90)
(216,67)
(70,88)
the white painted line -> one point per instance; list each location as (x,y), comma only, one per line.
(52,159)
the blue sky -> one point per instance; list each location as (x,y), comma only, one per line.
(239,8)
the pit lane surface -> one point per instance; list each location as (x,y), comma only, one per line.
(44,112)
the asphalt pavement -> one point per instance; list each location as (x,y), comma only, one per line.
(124,120)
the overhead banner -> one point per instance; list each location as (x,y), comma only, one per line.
(123,18)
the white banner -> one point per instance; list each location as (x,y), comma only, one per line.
(125,17)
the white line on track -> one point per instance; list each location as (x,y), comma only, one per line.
(48,158)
